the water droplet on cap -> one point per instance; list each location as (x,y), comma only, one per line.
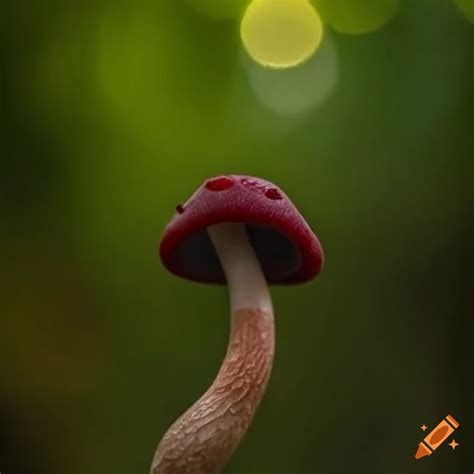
(219,184)
(273,193)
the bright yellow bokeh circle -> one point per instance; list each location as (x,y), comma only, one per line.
(281,33)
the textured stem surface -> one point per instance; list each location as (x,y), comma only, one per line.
(203,439)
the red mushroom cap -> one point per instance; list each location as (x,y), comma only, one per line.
(288,250)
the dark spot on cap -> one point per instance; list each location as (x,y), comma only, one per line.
(273,193)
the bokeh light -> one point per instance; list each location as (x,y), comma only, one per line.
(357,16)
(467,8)
(219,9)
(281,33)
(298,89)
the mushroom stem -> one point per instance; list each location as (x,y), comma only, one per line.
(204,438)
(245,280)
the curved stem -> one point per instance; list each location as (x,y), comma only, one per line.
(204,438)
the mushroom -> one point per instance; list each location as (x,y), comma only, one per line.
(245,232)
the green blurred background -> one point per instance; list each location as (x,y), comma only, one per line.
(112,113)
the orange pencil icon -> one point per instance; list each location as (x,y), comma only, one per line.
(437,436)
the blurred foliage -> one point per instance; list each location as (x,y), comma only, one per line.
(112,113)
(467,8)
(357,16)
(220,10)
